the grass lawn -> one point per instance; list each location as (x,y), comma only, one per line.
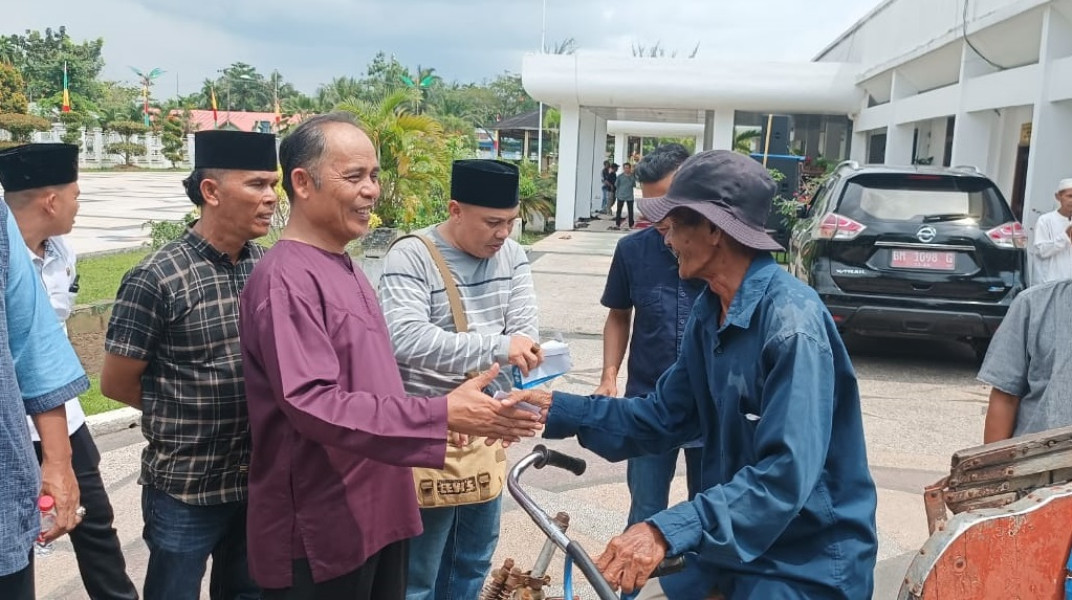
(93,402)
(99,276)
(529,238)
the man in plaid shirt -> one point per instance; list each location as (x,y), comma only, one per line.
(173,352)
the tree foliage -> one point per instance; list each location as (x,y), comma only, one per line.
(40,57)
(127,148)
(657,50)
(12,94)
(73,122)
(176,127)
(414,159)
(22,126)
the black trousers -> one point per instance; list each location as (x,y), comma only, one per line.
(618,218)
(20,584)
(382,577)
(95,541)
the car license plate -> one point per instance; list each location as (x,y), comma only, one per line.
(923,259)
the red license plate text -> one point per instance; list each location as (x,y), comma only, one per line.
(923,259)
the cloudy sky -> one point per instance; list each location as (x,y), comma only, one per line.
(311,41)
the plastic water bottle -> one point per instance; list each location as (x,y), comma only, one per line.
(47,507)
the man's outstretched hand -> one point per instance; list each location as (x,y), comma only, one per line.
(537,398)
(631,557)
(470,411)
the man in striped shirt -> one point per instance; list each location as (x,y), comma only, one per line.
(452,557)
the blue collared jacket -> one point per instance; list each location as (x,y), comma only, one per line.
(771,392)
(39,371)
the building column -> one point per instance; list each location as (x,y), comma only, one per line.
(858,151)
(568,149)
(938,133)
(620,142)
(699,143)
(708,129)
(599,154)
(973,134)
(1051,122)
(525,155)
(724,129)
(586,173)
(899,146)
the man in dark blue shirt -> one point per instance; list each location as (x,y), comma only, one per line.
(788,507)
(643,278)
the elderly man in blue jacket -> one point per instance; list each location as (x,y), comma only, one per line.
(788,504)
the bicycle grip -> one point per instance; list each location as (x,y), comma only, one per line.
(669,566)
(572,464)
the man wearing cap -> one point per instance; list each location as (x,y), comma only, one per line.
(335,436)
(39,372)
(1052,244)
(173,352)
(788,505)
(453,555)
(45,213)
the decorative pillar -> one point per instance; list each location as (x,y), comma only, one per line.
(568,150)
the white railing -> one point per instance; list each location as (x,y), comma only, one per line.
(94,143)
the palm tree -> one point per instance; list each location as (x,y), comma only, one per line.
(339,90)
(425,80)
(414,158)
(658,51)
(566,46)
(9,50)
(742,142)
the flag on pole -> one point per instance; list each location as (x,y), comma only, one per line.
(215,115)
(66,94)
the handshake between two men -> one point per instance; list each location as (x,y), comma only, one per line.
(472,412)
(629,559)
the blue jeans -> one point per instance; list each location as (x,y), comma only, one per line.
(182,536)
(649,480)
(451,559)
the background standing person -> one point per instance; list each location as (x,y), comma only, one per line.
(173,352)
(623,193)
(644,279)
(1029,365)
(45,214)
(451,559)
(1051,248)
(607,176)
(39,372)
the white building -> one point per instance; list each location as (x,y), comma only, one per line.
(956,82)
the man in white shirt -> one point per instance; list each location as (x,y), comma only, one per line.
(1051,249)
(44,215)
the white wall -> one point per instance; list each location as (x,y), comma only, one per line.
(1011,120)
(898,27)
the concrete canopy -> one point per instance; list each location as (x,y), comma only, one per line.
(672,90)
(667,97)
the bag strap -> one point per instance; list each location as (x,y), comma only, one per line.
(461,323)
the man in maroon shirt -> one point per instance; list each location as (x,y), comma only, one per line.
(334,435)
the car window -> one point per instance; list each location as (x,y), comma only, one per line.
(822,197)
(923,199)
